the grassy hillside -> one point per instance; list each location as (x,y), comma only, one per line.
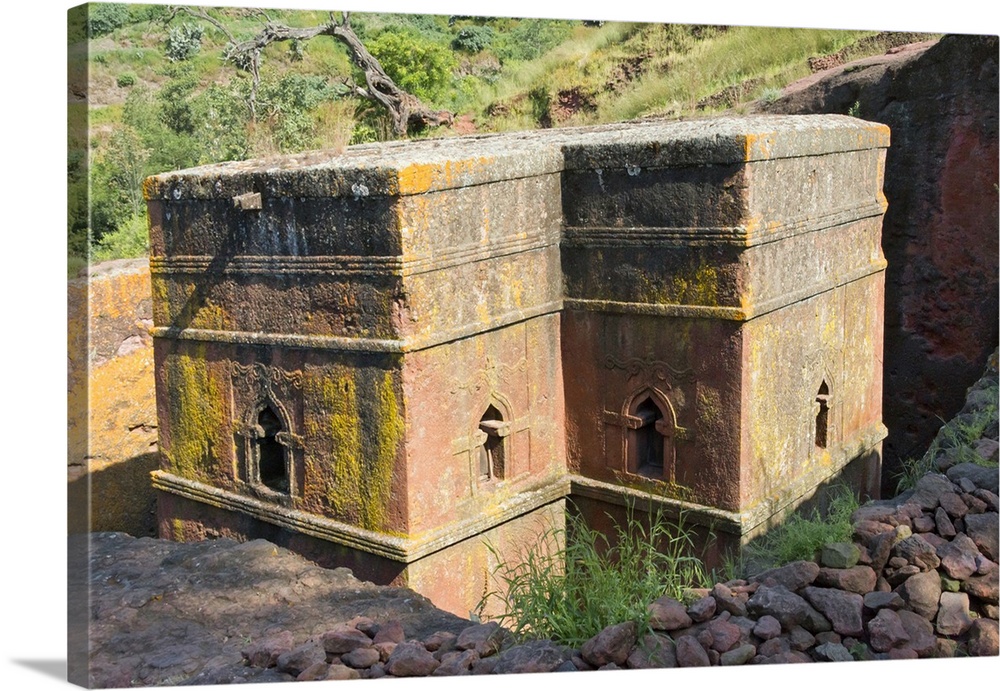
(160,93)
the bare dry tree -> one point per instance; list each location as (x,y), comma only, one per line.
(406,110)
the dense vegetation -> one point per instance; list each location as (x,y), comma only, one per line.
(164,91)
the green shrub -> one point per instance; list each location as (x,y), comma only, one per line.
(541,104)
(473,39)
(103,18)
(222,117)
(183,42)
(570,592)
(287,105)
(529,38)
(129,241)
(770,94)
(125,79)
(416,64)
(175,104)
(147,13)
(363,133)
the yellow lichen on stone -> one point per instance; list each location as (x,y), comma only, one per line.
(212,316)
(160,293)
(377,480)
(709,405)
(357,474)
(336,396)
(197,415)
(699,286)
(149,188)
(414,218)
(423,177)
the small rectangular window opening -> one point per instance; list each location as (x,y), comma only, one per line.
(823,416)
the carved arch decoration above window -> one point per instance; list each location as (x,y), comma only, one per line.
(491,452)
(268,449)
(652,431)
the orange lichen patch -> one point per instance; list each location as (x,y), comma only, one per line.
(756,146)
(115,447)
(423,177)
(149,188)
(115,297)
(122,409)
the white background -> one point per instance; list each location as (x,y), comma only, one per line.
(33,317)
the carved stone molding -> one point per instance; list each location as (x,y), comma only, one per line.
(652,369)
(492,377)
(260,376)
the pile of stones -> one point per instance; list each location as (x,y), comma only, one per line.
(919,580)
(362,648)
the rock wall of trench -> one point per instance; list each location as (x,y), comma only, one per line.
(112,406)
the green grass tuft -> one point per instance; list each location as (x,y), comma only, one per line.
(958,437)
(801,537)
(570,593)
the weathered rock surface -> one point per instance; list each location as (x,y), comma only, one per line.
(842,609)
(653,651)
(530,657)
(793,576)
(410,659)
(667,614)
(787,607)
(885,631)
(982,529)
(690,653)
(112,420)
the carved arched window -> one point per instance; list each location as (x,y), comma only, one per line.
(492,437)
(823,415)
(269,455)
(651,434)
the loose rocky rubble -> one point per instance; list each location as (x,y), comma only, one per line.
(919,580)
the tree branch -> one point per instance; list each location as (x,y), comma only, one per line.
(405,109)
(200,14)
